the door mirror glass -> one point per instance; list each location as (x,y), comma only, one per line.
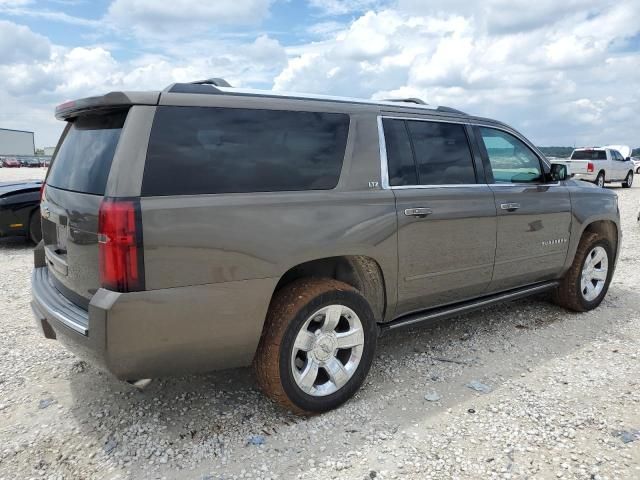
(558,172)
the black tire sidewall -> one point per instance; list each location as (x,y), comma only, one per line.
(594,303)
(307,402)
(600,175)
(35,234)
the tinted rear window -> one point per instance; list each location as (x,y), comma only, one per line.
(589,155)
(84,159)
(199,150)
(442,153)
(402,167)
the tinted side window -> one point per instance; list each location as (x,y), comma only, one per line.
(402,168)
(442,153)
(198,150)
(511,160)
(84,159)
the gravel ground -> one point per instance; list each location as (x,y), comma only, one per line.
(559,398)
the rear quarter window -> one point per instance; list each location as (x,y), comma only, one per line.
(83,161)
(208,150)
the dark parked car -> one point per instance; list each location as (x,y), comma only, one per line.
(10,162)
(30,162)
(20,209)
(207,227)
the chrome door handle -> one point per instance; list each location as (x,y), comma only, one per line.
(418,212)
(510,207)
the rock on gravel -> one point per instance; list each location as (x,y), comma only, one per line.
(432,397)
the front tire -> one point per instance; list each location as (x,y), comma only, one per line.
(317,345)
(628,181)
(586,283)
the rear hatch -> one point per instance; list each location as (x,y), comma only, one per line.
(75,187)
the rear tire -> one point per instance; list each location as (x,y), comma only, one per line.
(600,180)
(35,227)
(628,181)
(299,362)
(579,289)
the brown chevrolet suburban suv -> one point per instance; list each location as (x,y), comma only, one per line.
(206,227)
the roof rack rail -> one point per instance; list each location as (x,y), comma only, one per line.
(216,82)
(442,108)
(406,100)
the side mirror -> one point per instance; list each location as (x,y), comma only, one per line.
(558,172)
(627,159)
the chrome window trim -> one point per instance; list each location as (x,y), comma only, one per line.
(384,164)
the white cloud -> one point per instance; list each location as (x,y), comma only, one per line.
(183,17)
(532,66)
(30,89)
(14,3)
(343,7)
(19,44)
(558,71)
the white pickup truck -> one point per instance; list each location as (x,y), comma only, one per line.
(602,165)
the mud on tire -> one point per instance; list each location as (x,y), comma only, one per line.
(569,293)
(289,313)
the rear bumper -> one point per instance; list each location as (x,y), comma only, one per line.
(587,177)
(159,332)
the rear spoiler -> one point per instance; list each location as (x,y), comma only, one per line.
(111,100)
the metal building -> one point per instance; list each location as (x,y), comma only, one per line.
(16,142)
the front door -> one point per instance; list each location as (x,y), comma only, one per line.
(446,219)
(619,165)
(534,217)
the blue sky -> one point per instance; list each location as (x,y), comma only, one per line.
(561,72)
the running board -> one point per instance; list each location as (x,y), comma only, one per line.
(465,307)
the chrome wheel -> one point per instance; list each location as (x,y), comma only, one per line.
(600,181)
(629,180)
(327,350)
(594,273)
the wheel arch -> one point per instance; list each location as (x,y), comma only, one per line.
(605,228)
(362,272)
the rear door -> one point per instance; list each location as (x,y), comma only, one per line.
(75,186)
(534,217)
(446,218)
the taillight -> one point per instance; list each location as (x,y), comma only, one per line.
(42,191)
(590,167)
(120,245)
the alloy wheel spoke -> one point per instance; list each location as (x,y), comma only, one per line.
(350,339)
(308,376)
(598,257)
(599,274)
(304,341)
(332,317)
(337,373)
(590,289)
